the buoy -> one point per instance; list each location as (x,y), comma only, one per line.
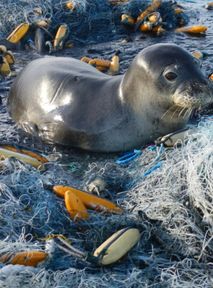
(18,33)
(150,9)
(100,63)
(127,20)
(89,200)
(192,29)
(75,206)
(26,258)
(118,245)
(151,23)
(154,18)
(211,77)
(70,5)
(86,59)
(60,37)
(3,49)
(115,64)
(197,54)
(23,154)
(8,55)
(4,67)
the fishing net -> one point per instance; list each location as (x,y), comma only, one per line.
(88,21)
(165,193)
(171,205)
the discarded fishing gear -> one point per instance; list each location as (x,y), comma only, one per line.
(7,61)
(37,36)
(77,202)
(26,258)
(26,155)
(58,25)
(109,252)
(112,67)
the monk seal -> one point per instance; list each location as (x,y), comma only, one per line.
(68,102)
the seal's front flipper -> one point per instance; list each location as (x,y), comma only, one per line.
(47,131)
(29,127)
(56,132)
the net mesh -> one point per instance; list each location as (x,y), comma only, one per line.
(172,207)
(88,21)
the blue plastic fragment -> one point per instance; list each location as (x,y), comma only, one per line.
(155,167)
(159,153)
(128,157)
(151,147)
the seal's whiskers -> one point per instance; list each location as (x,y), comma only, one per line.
(188,112)
(174,113)
(167,111)
(181,111)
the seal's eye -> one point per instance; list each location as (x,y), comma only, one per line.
(171,76)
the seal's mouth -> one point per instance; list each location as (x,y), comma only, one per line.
(194,96)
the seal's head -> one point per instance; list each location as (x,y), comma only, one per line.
(172,81)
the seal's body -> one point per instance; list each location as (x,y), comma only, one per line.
(68,102)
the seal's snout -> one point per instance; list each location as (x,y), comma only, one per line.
(194,94)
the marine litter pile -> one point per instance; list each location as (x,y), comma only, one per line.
(171,206)
(87,20)
(165,193)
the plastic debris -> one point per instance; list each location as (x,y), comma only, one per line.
(118,245)
(7,60)
(102,65)
(198,29)
(176,138)
(89,200)
(19,32)
(211,77)
(25,155)
(198,54)
(128,157)
(127,20)
(60,37)
(151,21)
(109,252)
(75,206)
(26,258)
(4,67)
(86,20)
(150,9)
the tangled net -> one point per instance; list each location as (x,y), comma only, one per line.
(172,207)
(89,21)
